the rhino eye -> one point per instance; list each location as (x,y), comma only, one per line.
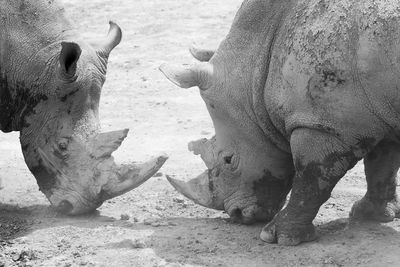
(214,172)
(63,145)
(228,159)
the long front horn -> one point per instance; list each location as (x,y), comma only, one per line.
(200,75)
(120,178)
(131,176)
(114,37)
(198,190)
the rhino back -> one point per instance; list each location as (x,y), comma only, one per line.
(335,67)
(30,35)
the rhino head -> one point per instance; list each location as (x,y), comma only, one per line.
(240,178)
(59,128)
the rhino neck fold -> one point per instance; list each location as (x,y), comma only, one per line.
(24,85)
(26,59)
(247,49)
(17,100)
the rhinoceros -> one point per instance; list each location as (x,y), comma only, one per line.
(50,86)
(299,91)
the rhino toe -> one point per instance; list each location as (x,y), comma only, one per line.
(287,234)
(376,210)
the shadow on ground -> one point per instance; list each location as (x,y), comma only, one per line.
(204,242)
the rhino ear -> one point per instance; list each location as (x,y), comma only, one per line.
(113,39)
(201,54)
(69,56)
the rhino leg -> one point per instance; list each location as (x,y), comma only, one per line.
(320,161)
(381,202)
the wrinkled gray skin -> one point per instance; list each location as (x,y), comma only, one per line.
(298,92)
(50,86)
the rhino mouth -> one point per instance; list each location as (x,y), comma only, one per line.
(87,174)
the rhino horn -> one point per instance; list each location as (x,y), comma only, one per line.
(114,37)
(198,190)
(104,144)
(131,176)
(189,76)
(201,54)
(206,149)
(109,178)
(124,177)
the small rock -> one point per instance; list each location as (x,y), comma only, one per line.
(20,240)
(172,224)
(135,219)
(213,250)
(15,257)
(178,200)
(138,244)
(158,174)
(158,224)
(147,222)
(125,217)
(132,244)
(160,208)
(24,255)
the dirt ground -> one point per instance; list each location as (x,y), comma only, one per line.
(153,225)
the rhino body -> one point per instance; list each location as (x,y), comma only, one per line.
(299,91)
(50,86)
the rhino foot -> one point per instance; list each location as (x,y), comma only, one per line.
(377,210)
(287,233)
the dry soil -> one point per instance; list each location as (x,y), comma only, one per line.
(153,225)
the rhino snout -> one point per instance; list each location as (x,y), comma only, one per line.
(251,214)
(84,175)
(65,207)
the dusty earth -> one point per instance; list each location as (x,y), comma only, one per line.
(153,225)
